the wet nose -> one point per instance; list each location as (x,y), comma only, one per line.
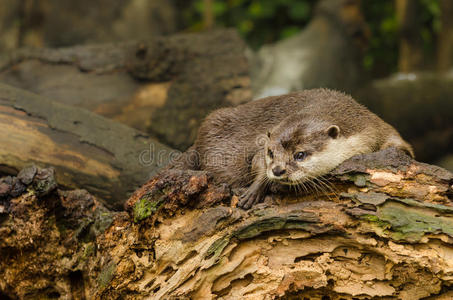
(278,171)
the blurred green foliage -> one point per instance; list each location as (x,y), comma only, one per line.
(267,21)
(382,53)
(258,21)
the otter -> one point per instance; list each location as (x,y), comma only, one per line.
(288,140)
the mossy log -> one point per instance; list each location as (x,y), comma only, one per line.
(164,86)
(108,159)
(382,230)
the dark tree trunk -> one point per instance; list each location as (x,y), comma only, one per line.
(208,14)
(445,44)
(410,49)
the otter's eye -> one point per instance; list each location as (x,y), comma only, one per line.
(300,156)
(270,154)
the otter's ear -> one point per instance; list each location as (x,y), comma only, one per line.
(262,140)
(268,133)
(333,131)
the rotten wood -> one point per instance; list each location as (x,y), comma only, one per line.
(107,158)
(383,230)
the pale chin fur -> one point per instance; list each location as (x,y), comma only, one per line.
(336,151)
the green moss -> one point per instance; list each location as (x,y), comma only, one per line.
(259,227)
(106,274)
(359,180)
(371,218)
(217,247)
(88,251)
(43,187)
(103,219)
(411,223)
(375,219)
(438,207)
(145,207)
(263,212)
(274,223)
(403,222)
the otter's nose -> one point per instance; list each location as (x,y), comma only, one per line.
(278,171)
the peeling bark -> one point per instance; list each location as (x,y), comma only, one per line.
(384,231)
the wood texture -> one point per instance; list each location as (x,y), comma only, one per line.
(106,158)
(382,230)
(163,86)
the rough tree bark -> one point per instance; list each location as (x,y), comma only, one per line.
(107,158)
(164,86)
(383,230)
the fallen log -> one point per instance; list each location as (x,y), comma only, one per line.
(383,230)
(163,86)
(107,158)
(427,99)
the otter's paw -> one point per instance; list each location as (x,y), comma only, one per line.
(248,199)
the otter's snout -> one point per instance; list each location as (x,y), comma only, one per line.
(278,171)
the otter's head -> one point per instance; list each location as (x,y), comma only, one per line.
(302,152)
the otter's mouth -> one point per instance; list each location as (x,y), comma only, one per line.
(284,181)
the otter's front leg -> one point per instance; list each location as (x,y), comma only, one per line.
(256,191)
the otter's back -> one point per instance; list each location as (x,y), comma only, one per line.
(230,137)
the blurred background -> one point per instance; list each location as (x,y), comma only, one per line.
(161,65)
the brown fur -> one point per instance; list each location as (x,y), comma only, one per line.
(230,142)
